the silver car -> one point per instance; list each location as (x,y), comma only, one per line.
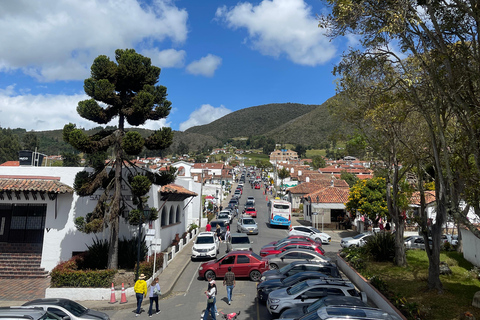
(238,241)
(247,224)
(224,216)
(67,308)
(280,260)
(327,301)
(307,292)
(34,313)
(359,313)
(357,241)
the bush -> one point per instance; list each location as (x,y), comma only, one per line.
(381,247)
(128,250)
(146,267)
(66,274)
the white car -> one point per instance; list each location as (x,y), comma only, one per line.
(67,309)
(205,246)
(357,241)
(310,232)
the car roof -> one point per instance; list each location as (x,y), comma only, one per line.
(302,250)
(353,313)
(51,301)
(206,234)
(24,312)
(307,262)
(238,234)
(335,282)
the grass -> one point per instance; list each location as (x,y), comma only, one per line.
(252,157)
(411,284)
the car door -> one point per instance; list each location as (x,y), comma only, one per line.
(60,312)
(295,270)
(309,296)
(288,258)
(304,231)
(306,256)
(228,261)
(243,265)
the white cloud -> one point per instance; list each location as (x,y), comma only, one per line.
(281,28)
(206,66)
(204,115)
(49,112)
(53,40)
(169,58)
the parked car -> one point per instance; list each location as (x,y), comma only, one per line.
(247,224)
(301,266)
(238,241)
(223,227)
(357,241)
(34,313)
(452,239)
(311,232)
(358,313)
(243,263)
(224,216)
(230,212)
(67,308)
(279,260)
(205,246)
(257,185)
(251,199)
(251,211)
(307,292)
(265,287)
(293,238)
(416,242)
(292,245)
(328,301)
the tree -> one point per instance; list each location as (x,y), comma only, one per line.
(350,178)
(70,159)
(368,197)
(127,90)
(269,146)
(30,141)
(300,150)
(283,174)
(9,145)
(318,162)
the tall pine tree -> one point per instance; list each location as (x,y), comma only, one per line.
(125,90)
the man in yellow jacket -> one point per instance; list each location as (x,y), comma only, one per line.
(140,289)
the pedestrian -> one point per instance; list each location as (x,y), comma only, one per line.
(227,234)
(229,281)
(140,289)
(208,227)
(388,227)
(153,295)
(219,233)
(211,298)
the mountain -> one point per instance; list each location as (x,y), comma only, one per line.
(252,121)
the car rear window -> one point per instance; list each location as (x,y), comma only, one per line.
(238,240)
(248,221)
(202,240)
(220,223)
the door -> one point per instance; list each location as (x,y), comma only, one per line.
(228,261)
(289,257)
(243,265)
(5,218)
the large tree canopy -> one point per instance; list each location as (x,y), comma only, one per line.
(127,91)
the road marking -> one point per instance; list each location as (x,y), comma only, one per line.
(191,281)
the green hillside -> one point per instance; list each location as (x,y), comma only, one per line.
(252,121)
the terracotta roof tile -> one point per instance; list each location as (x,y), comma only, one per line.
(10,164)
(175,188)
(38,184)
(329,195)
(429,197)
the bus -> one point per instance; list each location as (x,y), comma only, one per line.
(280,213)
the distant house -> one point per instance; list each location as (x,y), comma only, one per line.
(296,194)
(283,156)
(329,202)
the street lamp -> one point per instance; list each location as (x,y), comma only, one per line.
(145,213)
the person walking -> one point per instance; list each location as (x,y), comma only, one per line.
(229,281)
(153,295)
(208,227)
(219,233)
(140,289)
(211,298)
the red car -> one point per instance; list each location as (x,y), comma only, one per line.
(295,238)
(285,246)
(245,264)
(257,185)
(251,212)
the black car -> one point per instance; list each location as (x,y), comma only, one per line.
(223,227)
(301,266)
(337,301)
(264,288)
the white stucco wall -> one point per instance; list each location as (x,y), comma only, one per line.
(471,247)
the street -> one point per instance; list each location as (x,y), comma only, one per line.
(187,300)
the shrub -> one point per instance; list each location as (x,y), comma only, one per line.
(381,247)
(128,250)
(66,274)
(96,257)
(146,267)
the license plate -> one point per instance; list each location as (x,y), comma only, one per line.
(202,254)
(329,240)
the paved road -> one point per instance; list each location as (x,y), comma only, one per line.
(187,300)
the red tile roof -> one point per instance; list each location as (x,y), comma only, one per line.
(175,188)
(208,165)
(329,195)
(39,184)
(10,164)
(429,197)
(304,188)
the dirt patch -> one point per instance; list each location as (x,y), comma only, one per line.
(125,277)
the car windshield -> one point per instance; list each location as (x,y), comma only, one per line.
(49,316)
(203,240)
(214,224)
(359,236)
(346,312)
(223,216)
(297,288)
(75,308)
(315,230)
(316,305)
(248,221)
(310,316)
(238,240)
(287,282)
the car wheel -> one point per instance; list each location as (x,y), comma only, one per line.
(255,275)
(210,274)
(318,240)
(273,266)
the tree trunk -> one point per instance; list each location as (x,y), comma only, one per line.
(400,257)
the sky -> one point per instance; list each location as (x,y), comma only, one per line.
(216,56)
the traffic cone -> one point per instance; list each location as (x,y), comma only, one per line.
(266,198)
(112,295)
(123,299)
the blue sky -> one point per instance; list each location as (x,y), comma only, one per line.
(216,56)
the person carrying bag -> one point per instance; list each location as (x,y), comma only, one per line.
(155,292)
(210,293)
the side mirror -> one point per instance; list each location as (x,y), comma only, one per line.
(363,297)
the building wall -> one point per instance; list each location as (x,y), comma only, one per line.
(471,247)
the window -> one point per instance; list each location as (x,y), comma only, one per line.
(177,217)
(28,221)
(305,256)
(229,260)
(243,259)
(335,292)
(172,216)
(164,220)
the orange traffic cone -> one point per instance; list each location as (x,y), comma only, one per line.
(266,198)
(112,295)
(123,299)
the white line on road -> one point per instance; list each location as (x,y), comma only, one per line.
(191,281)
